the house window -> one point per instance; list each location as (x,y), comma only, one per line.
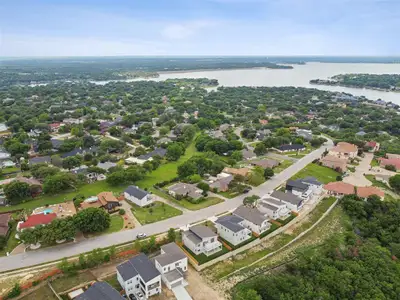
(212,240)
(176,264)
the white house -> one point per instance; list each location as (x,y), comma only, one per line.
(231,229)
(253,219)
(272,208)
(304,188)
(172,263)
(138,196)
(139,277)
(201,239)
(293,202)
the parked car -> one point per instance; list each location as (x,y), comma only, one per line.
(132,297)
(246,190)
(141,235)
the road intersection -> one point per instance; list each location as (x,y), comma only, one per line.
(50,254)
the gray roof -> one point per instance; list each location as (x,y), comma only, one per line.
(272,202)
(311,180)
(172,254)
(248,154)
(40,159)
(231,222)
(202,231)
(106,165)
(100,291)
(181,188)
(269,206)
(298,184)
(287,197)
(159,151)
(252,215)
(139,264)
(192,237)
(136,192)
(173,275)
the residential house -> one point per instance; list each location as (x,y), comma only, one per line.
(35,185)
(291,147)
(71,121)
(273,208)
(74,152)
(344,150)
(248,154)
(172,263)
(181,190)
(222,182)
(40,160)
(55,126)
(253,219)
(224,127)
(293,202)
(391,156)
(33,221)
(304,188)
(361,133)
(231,229)
(201,239)
(148,156)
(106,165)
(4,155)
(139,277)
(138,196)
(262,134)
(265,163)
(372,146)
(56,144)
(339,188)
(263,121)
(106,200)
(240,171)
(390,162)
(100,290)
(5,224)
(367,191)
(334,162)
(306,134)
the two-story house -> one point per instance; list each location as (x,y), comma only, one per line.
(344,150)
(253,219)
(231,229)
(304,188)
(139,277)
(138,196)
(201,239)
(172,263)
(293,202)
(273,208)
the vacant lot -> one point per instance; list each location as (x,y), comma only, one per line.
(67,282)
(322,174)
(159,211)
(43,293)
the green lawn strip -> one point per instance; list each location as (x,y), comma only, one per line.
(321,173)
(117,223)
(86,190)
(283,165)
(377,183)
(252,238)
(229,194)
(67,282)
(6,171)
(43,293)
(271,229)
(202,258)
(159,211)
(113,281)
(12,241)
(168,170)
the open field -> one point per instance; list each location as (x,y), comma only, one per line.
(67,282)
(206,203)
(321,173)
(43,293)
(159,211)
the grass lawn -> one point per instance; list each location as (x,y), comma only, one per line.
(229,194)
(86,190)
(12,242)
(377,183)
(297,155)
(283,165)
(159,211)
(117,222)
(113,281)
(167,171)
(43,293)
(206,203)
(67,282)
(374,163)
(10,170)
(322,174)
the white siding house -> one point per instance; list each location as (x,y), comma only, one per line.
(201,239)
(231,229)
(272,208)
(138,196)
(253,219)
(293,202)
(139,277)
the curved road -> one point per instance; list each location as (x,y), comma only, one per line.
(45,255)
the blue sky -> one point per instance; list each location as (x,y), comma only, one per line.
(199,27)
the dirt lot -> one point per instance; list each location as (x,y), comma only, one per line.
(199,289)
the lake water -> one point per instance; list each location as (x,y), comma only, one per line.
(298,77)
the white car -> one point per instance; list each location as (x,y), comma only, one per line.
(140,296)
(141,235)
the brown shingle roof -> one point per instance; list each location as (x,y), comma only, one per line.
(4,219)
(344,147)
(366,191)
(340,187)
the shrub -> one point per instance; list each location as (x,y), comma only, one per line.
(16,291)
(121,211)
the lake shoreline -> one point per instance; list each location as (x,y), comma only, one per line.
(354,87)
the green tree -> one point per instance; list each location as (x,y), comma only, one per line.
(92,220)
(174,151)
(394,182)
(171,235)
(237,155)
(71,162)
(268,173)
(17,191)
(247,294)
(260,149)
(59,182)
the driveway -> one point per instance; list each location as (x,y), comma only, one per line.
(357,178)
(73,249)
(130,218)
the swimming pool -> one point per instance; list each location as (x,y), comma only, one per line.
(47,211)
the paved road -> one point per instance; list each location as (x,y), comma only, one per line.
(58,252)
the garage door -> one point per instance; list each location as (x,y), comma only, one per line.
(181,293)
